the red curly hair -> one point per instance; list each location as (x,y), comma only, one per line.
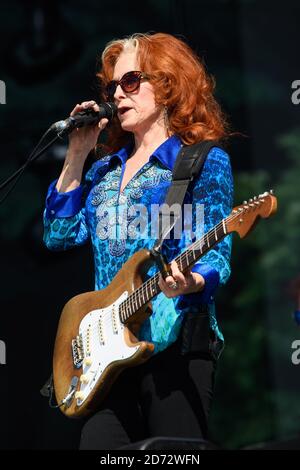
(180,83)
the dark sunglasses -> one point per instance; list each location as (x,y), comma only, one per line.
(129,82)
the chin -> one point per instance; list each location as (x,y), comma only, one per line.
(128,126)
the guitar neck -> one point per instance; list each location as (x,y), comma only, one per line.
(186,260)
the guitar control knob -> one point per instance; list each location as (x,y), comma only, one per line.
(87,361)
(84,378)
(79,395)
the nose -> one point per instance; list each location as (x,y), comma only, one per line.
(119,93)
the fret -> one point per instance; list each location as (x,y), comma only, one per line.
(203,246)
(148,290)
(121,316)
(184,260)
(187,257)
(132,305)
(216,236)
(220,231)
(207,238)
(147,296)
(124,312)
(137,300)
(224,227)
(121,312)
(143,296)
(180,262)
(129,309)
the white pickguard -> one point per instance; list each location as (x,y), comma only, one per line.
(103,343)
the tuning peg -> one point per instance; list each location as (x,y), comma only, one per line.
(250,200)
(271,191)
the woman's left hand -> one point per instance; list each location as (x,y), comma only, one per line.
(181,283)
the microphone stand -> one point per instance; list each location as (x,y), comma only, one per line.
(35,154)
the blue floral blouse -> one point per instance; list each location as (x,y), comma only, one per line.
(98,212)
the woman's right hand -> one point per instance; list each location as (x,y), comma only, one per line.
(82,140)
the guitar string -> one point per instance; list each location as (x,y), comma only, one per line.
(153,281)
(208,237)
(155,278)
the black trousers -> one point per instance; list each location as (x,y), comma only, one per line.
(168,396)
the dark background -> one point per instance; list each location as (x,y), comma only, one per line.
(48,59)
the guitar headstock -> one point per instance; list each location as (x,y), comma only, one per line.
(244,217)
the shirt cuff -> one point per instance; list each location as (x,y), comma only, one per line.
(63,204)
(205,296)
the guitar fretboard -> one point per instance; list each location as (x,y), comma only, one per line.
(187,259)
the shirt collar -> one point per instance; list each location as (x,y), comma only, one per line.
(166,153)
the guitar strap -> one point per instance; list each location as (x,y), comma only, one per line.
(196,336)
(189,163)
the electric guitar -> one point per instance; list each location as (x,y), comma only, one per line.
(97,335)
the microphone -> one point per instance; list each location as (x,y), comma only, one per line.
(87,117)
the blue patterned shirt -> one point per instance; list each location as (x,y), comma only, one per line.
(95,211)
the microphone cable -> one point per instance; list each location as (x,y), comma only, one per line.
(84,118)
(32,157)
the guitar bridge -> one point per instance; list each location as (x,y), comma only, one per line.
(77,351)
